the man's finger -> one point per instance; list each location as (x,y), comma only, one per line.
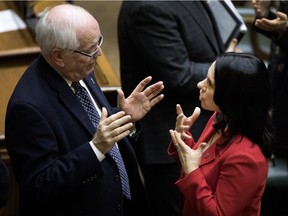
(114,117)
(142,84)
(156,100)
(154,89)
(119,122)
(104,114)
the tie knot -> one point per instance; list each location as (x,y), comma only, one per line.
(76,85)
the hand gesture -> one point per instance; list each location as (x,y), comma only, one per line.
(139,103)
(111,129)
(184,123)
(189,158)
(278,24)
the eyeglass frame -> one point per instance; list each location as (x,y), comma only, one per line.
(100,42)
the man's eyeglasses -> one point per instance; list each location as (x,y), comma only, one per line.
(100,41)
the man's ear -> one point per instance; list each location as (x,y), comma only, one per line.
(57,57)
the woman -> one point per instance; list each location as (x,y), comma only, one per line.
(225,172)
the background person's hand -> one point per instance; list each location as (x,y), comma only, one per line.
(278,24)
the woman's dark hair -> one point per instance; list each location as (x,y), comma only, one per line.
(242,93)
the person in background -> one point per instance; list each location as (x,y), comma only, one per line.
(70,150)
(271,20)
(225,171)
(4,184)
(174,41)
(275,25)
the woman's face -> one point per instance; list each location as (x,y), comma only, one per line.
(207,90)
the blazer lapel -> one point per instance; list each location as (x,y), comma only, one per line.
(215,150)
(209,154)
(97,93)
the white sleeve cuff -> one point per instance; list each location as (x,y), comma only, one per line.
(98,154)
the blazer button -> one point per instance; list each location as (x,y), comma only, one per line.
(206,155)
(117,178)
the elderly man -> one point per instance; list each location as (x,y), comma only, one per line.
(70,150)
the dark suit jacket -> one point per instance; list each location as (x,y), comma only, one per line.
(47,135)
(4,183)
(278,68)
(174,41)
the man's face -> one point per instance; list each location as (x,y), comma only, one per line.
(79,63)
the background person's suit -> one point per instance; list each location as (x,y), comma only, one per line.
(175,42)
(275,195)
(48,134)
(4,184)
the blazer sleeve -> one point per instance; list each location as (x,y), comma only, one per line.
(238,182)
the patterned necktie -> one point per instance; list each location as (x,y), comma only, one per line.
(89,107)
(86,102)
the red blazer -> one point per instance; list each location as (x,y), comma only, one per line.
(230,180)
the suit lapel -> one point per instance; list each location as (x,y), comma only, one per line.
(205,22)
(97,93)
(71,102)
(216,30)
(66,96)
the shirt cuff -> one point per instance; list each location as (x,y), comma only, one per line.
(98,154)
